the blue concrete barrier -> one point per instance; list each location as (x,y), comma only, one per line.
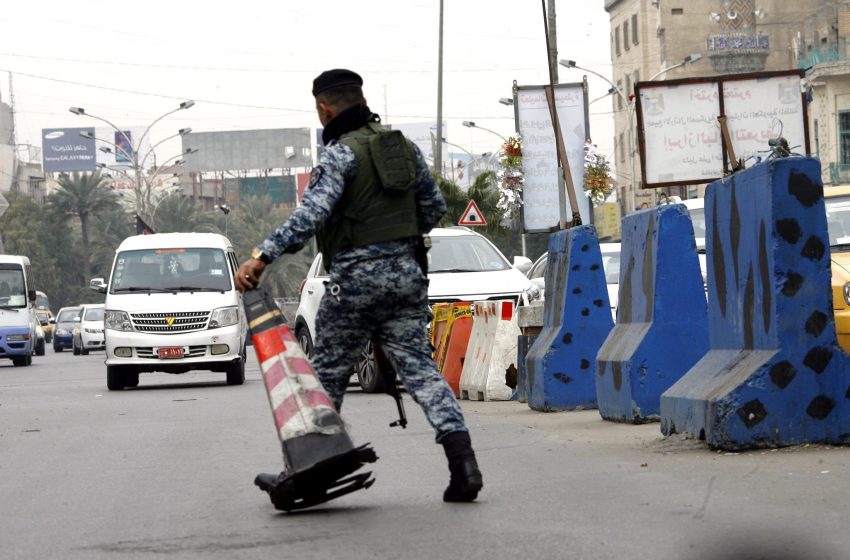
(524,343)
(561,365)
(774,375)
(662,322)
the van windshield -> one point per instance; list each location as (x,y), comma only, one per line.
(12,290)
(183,270)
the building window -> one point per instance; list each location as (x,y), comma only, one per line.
(620,97)
(628,91)
(622,146)
(637,77)
(677,11)
(844,136)
(817,140)
(634,29)
(626,35)
(617,40)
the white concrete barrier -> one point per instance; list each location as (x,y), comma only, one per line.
(491,352)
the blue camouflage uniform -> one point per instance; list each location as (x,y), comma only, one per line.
(383,293)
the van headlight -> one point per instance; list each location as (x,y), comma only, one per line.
(117,320)
(224,317)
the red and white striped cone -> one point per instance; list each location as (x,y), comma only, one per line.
(318,454)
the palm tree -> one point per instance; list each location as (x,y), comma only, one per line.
(83,195)
(177,212)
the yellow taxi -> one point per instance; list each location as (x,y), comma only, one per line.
(44,318)
(837,201)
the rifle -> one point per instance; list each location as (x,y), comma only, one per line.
(385,369)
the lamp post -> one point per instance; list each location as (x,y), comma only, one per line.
(225,209)
(630,108)
(165,196)
(131,150)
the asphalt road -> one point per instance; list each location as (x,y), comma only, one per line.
(166,471)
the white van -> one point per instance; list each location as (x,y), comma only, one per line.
(172,306)
(17,310)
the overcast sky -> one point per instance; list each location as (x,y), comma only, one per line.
(250,64)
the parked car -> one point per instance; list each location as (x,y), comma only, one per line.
(88,332)
(837,201)
(462,266)
(610,264)
(63,328)
(45,319)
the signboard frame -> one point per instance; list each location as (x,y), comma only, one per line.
(585,210)
(718,82)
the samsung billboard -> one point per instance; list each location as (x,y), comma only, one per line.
(64,149)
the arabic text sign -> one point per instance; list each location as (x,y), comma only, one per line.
(63,149)
(541,176)
(680,136)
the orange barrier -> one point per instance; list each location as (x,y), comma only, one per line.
(440,312)
(453,348)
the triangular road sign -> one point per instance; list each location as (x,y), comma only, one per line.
(472,216)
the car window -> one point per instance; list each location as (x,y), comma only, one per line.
(611,266)
(698,219)
(464,253)
(94,314)
(539,268)
(838,221)
(67,315)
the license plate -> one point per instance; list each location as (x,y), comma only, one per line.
(170,353)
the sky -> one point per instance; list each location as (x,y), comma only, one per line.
(250,64)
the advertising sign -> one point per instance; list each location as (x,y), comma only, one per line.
(123,146)
(541,175)
(63,149)
(680,136)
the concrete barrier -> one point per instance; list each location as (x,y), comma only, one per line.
(561,364)
(530,323)
(491,353)
(774,375)
(662,322)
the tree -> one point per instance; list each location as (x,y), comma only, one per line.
(83,195)
(177,212)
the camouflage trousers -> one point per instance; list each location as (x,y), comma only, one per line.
(384,300)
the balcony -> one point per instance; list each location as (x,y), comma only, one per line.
(820,55)
(735,52)
(839,173)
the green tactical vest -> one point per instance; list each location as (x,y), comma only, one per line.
(379,204)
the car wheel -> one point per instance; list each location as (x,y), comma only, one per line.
(115,377)
(236,370)
(369,371)
(305,341)
(84,351)
(39,347)
(76,350)
(21,361)
(56,347)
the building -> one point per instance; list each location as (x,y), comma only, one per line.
(17,174)
(671,39)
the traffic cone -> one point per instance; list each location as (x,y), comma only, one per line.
(318,454)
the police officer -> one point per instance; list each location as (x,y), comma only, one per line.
(370,199)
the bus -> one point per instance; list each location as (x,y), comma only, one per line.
(17,310)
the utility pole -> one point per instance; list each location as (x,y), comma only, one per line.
(13,139)
(553,41)
(438,151)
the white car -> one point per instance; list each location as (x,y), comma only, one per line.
(462,266)
(610,264)
(88,333)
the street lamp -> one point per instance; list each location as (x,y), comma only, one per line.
(137,163)
(225,209)
(471,124)
(506,101)
(687,60)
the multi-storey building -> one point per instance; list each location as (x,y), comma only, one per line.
(653,39)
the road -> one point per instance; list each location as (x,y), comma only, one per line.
(166,471)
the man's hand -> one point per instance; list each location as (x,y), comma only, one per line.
(248,275)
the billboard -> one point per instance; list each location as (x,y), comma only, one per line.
(63,149)
(680,137)
(541,175)
(280,148)
(281,189)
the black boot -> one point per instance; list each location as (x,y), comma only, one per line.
(466,479)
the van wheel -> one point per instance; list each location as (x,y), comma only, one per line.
(21,361)
(131,379)
(115,377)
(236,370)
(39,348)
(370,372)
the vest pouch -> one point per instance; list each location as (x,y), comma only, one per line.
(394,161)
